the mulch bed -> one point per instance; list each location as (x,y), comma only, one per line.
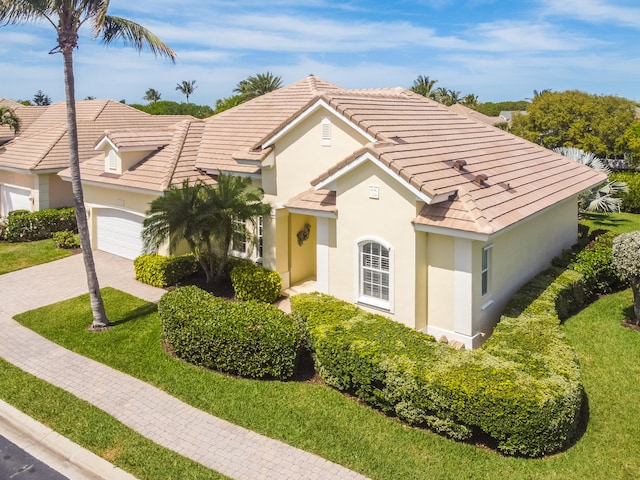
(630,325)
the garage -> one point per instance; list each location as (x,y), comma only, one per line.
(118,232)
(14,198)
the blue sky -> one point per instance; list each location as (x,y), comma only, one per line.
(496,49)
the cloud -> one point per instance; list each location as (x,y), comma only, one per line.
(595,11)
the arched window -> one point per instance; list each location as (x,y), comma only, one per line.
(375,274)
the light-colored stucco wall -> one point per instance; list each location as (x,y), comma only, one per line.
(518,254)
(386,219)
(441,282)
(21,180)
(60,192)
(300,156)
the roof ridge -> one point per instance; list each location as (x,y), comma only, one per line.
(49,147)
(182,131)
(474,212)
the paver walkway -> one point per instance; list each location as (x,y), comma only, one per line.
(234,451)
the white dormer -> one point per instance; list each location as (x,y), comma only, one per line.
(123,150)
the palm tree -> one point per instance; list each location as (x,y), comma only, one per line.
(603,197)
(67,17)
(423,85)
(182,213)
(187,88)
(469,100)
(256,85)
(9,118)
(234,204)
(152,95)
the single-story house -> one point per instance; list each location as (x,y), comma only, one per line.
(31,160)
(380,197)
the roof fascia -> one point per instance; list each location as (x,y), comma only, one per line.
(114,186)
(308,112)
(217,171)
(105,140)
(450,232)
(329,182)
(312,213)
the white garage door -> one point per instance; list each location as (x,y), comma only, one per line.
(14,198)
(118,232)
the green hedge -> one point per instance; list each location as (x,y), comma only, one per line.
(23,226)
(250,339)
(522,388)
(253,282)
(630,200)
(161,271)
(594,262)
(66,239)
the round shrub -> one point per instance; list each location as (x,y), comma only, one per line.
(161,271)
(594,262)
(66,239)
(249,339)
(253,282)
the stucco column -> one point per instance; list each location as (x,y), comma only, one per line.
(463,287)
(322,254)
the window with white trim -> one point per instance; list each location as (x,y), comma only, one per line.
(239,241)
(260,236)
(247,239)
(486,269)
(375,264)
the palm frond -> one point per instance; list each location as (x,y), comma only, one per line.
(111,28)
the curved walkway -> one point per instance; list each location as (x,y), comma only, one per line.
(234,451)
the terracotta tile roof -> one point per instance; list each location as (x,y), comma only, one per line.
(315,200)
(44,145)
(471,113)
(26,113)
(169,165)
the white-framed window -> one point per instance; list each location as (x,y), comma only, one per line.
(239,241)
(247,239)
(375,274)
(326,131)
(486,270)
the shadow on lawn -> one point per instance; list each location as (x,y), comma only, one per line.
(135,314)
(604,220)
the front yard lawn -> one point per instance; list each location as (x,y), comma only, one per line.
(16,256)
(616,222)
(321,420)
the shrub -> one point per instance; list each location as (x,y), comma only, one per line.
(594,262)
(250,339)
(626,260)
(630,199)
(23,226)
(522,389)
(253,282)
(66,239)
(161,271)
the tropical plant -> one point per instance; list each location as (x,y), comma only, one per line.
(41,99)
(187,88)
(256,85)
(603,198)
(626,260)
(152,95)
(67,17)
(8,117)
(469,100)
(423,85)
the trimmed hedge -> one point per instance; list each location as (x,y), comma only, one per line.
(250,339)
(523,388)
(23,226)
(594,262)
(66,239)
(253,282)
(161,271)
(631,199)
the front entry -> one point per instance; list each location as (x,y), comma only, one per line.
(302,248)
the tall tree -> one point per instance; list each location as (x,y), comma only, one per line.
(258,84)
(67,17)
(41,99)
(152,95)
(187,88)
(423,85)
(8,117)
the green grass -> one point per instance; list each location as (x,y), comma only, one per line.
(321,420)
(616,222)
(15,256)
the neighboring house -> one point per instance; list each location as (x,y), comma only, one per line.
(507,115)
(30,161)
(380,197)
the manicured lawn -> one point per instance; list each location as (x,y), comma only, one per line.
(16,256)
(321,420)
(616,222)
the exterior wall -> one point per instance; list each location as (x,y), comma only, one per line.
(303,257)
(441,283)
(23,180)
(60,192)
(97,197)
(518,255)
(300,156)
(361,218)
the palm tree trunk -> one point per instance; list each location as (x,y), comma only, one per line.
(97,305)
(635,288)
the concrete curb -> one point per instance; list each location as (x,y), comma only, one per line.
(60,453)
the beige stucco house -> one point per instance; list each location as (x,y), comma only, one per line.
(31,160)
(380,197)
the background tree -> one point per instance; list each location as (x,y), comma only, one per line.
(423,85)
(152,95)
(187,88)
(626,261)
(167,107)
(469,100)
(41,99)
(493,109)
(8,117)
(256,85)
(592,123)
(603,198)
(91,97)
(67,17)
(223,104)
